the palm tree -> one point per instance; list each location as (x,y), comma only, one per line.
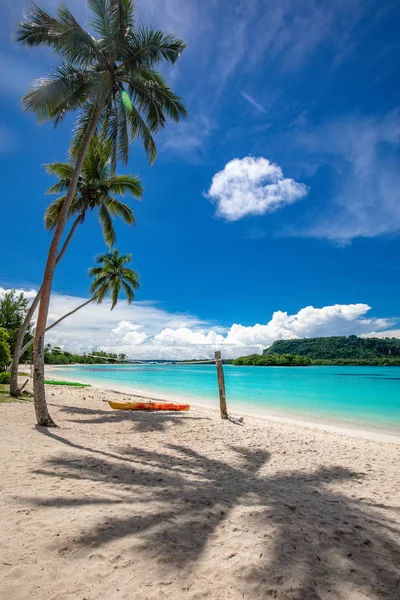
(110,276)
(111,80)
(95,185)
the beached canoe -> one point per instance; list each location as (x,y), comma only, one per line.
(148,406)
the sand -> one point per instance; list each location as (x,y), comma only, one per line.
(121,505)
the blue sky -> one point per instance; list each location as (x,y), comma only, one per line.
(279,192)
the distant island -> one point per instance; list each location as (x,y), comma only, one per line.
(334,350)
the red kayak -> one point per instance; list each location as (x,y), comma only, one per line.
(148,406)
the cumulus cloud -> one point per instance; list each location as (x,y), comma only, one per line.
(338,319)
(144,331)
(127,333)
(186,337)
(252,186)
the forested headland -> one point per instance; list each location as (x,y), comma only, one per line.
(334,350)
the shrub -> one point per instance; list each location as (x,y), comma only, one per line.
(5,354)
(5,377)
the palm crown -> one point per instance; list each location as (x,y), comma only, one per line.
(96,185)
(110,78)
(111,275)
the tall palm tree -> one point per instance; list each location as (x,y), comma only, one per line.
(110,78)
(95,185)
(110,276)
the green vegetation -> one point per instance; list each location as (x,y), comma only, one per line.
(5,377)
(273,360)
(5,354)
(335,350)
(351,349)
(13,309)
(97,187)
(56,356)
(5,395)
(70,383)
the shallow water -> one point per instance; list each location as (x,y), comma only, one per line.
(352,395)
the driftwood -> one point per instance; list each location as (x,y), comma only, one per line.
(236,420)
(21,389)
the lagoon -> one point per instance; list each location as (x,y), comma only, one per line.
(359,396)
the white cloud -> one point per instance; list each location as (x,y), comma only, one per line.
(144,331)
(339,319)
(186,337)
(30,294)
(252,186)
(391,333)
(126,333)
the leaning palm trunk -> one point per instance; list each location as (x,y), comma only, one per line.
(29,344)
(18,350)
(42,414)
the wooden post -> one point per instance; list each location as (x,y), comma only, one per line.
(221,386)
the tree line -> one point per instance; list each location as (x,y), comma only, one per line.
(54,355)
(333,350)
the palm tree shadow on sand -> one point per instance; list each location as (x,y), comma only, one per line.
(312,541)
(141,421)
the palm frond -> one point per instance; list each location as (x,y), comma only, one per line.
(61,33)
(107,226)
(122,210)
(51,97)
(130,184)
(139,129)
(115,290)
(38,30)
(131,276)
(60,169)
(130,296)
(148,47)
(81,125)
(52,212)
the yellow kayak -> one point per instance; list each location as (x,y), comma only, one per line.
(148,406)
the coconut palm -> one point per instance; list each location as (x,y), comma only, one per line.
(110,78)
(109,278)
(95,187)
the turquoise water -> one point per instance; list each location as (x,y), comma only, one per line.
(357,395)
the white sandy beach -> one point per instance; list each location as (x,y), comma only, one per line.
(123,505)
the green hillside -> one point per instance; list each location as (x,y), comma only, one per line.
(335,350)
(338,347)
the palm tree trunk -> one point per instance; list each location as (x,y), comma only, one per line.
(42,414)
(25,348)
(18,351)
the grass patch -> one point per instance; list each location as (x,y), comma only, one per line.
(5,395)
(71,383)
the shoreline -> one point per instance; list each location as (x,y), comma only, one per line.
(365,431)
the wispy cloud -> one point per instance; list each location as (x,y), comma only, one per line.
(187,138)
(253,102)
(363,155)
